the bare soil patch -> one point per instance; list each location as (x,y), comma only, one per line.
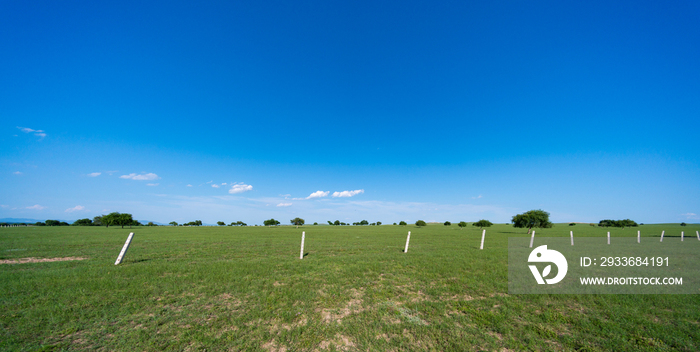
(39,260)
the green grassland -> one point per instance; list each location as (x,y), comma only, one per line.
(245,288)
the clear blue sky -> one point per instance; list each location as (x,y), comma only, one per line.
(408,110)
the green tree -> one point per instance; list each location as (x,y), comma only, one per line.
(52,223)
(271,222)
(337,223)
(297,221)
(221,223)
(683,224)
(447,223)
(403,223)
(315,223)
(379,223)
(173,223)
(420,223)
(364,222)
(82,222)
(330,223)
(532,219)
(482,223)
(462,224)
(150,223)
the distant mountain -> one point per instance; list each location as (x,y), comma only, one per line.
(27,221)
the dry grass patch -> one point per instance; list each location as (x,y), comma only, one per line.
(39,260)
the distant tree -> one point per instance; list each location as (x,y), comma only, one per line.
(82,222)
(447,223)
(572,224)
(379,223)
(330,223)
(97,220)
(297,221)
(364,222)
(394,223)
(38,223)
(241,223)
(420,223)
(52,223)
(683,224)
(462,224)
(221,223)
(617,223)
(173,223)
(482,223)
(532,219)
(271,222)
(402,223)
(337,223)
(315,223)
(150,223)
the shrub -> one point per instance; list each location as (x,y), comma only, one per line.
(572,224)
(420,223)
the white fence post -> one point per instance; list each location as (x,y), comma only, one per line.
(124,249)
(682,236)
(639,235)
(608,237)
(532,239)
(408,238)
(572,238)
(698,234)
(301,255)
(662,236)
(483,234)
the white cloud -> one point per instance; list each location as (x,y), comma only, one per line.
(152,184)
(189,185)
(142,177)
(284,204)
(215,185)
(36,207)
(95,174)
(240,188)
(16,173)
(39,133)
(348,193)
(75,208)
(4,206)
(223,184)
(477,197)
(318,194)
(690,215)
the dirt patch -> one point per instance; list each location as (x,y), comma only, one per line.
(39,260)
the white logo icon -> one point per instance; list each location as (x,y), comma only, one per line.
(543,255)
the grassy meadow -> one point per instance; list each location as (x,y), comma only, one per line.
(245,289)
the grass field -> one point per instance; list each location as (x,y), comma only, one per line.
(245,288)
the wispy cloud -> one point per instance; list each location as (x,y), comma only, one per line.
(16,173)
(318,194)
(39,133)
(152,184)
(142,177)
(477,197)
(690,215)
(240,188)
(215,185)
(36,207)
(284,204)
(94,174)
(348,193)
(189,185)
(75,208)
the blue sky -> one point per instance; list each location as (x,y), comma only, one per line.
(176,111)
